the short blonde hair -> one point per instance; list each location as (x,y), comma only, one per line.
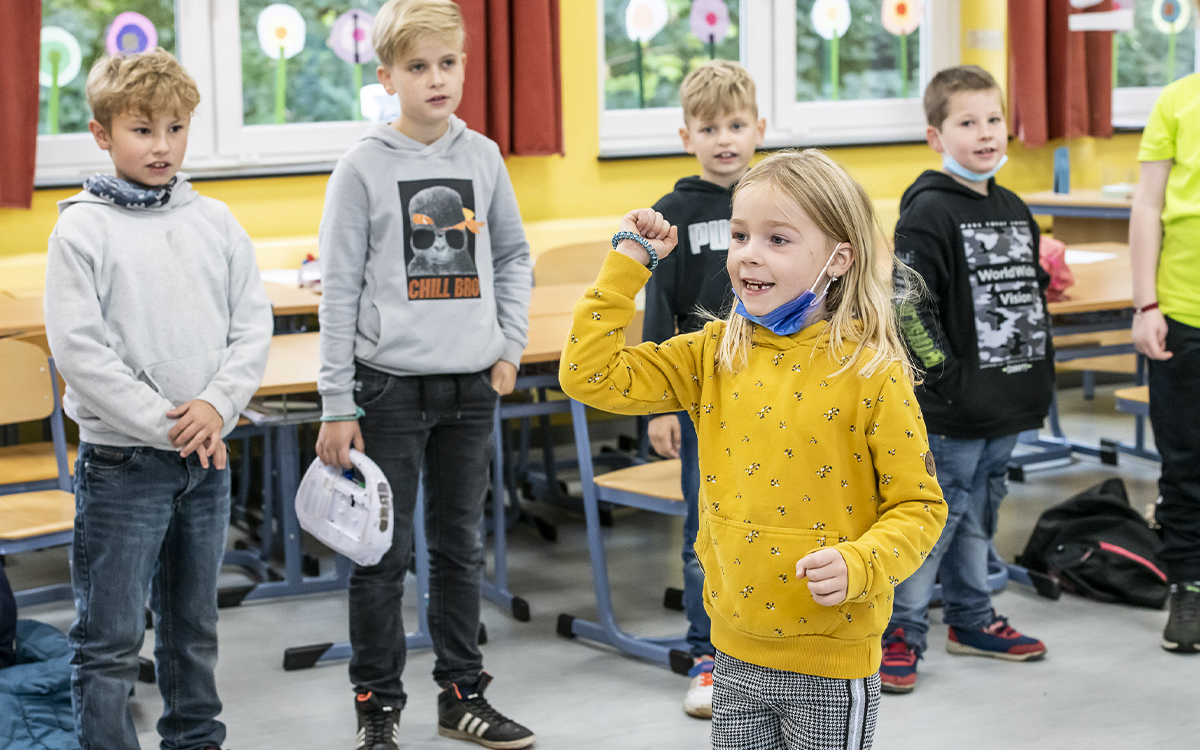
(148,83)
(716,88)
(400,24)
(949,82)
(862,304)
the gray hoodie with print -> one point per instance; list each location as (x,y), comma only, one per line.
(424,265)
(147,308)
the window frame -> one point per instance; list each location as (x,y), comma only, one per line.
(768,47)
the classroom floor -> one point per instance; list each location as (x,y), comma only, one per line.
(1106,683)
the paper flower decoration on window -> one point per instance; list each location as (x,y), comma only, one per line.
(710,20)
(350,37)
(281,31)
(831,18)
(902,17)
(131,33)
(61,57)
(645,18)
(1171,16)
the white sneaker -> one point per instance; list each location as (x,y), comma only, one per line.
(698,701)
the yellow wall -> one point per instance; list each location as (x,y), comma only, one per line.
(577,184)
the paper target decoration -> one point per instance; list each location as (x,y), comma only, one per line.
(131,33)
(60,54)
(281,31)
(350,37)
(831,18)
(645,18)
(710,20)
(1171,16)
(901,17)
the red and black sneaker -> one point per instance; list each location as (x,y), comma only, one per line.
(997,640)
(898,673)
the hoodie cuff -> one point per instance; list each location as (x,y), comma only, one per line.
(512,353)
(856,573)
(622,274)
(338,404)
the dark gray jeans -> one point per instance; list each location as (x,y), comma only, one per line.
(443,425)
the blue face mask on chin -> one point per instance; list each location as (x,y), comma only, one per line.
(791,317)
(951,165)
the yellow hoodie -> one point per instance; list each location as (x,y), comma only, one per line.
(792,459)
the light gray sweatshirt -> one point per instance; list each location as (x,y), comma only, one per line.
(147,308)
(424,264)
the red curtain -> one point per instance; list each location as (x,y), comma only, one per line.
(20,31)
(1060,81)
(513,89)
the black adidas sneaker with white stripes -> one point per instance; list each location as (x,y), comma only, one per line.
(378,724)
(464,715)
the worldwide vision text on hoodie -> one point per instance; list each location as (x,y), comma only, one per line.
(150,307)
(424,264)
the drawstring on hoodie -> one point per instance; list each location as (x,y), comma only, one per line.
(421,395)
(458,402)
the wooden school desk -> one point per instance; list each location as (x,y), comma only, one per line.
(1082,216)
(25,314)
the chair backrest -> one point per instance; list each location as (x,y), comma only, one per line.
(578,263)
(29,392)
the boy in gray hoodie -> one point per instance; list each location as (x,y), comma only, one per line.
(424,316)
(160,325)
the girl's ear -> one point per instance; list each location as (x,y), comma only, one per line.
(843,257)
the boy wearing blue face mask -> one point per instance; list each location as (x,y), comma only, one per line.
(983,338)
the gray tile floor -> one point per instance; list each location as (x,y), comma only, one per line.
(1105,684)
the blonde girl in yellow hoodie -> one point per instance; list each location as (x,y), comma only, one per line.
(819,493)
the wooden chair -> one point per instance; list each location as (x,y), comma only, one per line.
(34,519)
(651,486)
(33,466)
(571,264)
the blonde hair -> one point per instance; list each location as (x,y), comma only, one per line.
(716,88)
(401,24)
(949,82)
(862,304)
(148,83)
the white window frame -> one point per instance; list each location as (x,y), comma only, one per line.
(71,157)
(1131,105)
(768,51)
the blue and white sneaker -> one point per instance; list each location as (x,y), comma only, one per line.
(698,701)
(997,640)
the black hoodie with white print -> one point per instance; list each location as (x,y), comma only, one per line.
(982,335)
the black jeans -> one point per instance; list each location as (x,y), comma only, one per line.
(8,622)
(442,424)
(1175,416)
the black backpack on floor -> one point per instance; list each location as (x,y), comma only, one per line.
(1096,545)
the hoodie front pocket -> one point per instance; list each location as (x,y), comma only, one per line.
(181,380)
(750,577)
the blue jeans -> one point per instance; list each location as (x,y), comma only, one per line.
(973,476)
(698,637)
(438,426)
(146,519)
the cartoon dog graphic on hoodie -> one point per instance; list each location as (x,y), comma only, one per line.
(439,237)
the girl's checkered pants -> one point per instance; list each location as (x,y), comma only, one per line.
(759,708)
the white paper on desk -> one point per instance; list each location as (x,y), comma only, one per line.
(1084,257)
(281,276)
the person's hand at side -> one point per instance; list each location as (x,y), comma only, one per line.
(827,574)
(1150,334)
(504,377)
(335,440)
(665,435)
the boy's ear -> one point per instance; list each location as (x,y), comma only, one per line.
(384,74)
(685,135)
(761,127)
(100,134)
(933,137)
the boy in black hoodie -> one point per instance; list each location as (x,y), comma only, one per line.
(722,128)
(983,340)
